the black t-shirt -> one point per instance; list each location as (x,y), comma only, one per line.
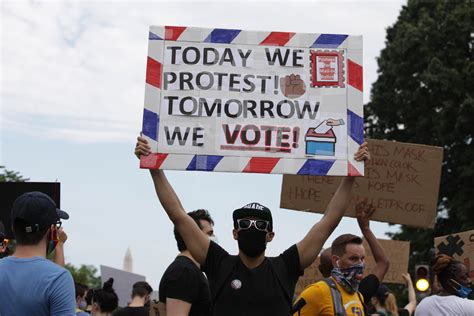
(184,281)
(265,290)
(133,311)
(368,286)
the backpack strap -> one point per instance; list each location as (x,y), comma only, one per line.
(336,298)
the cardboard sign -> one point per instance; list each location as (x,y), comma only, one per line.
(247,101)
(398,252)
(460,246)
(401,182)
(123,282)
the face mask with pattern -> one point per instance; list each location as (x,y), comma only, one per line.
(349,278)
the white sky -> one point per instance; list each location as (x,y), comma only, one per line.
(72,86)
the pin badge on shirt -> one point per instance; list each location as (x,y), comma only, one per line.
(236,284)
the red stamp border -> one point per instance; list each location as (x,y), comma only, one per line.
(341,73)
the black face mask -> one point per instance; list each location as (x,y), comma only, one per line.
(252,241)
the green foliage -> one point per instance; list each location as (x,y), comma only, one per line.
(85,274)
(425,94)
(10,176)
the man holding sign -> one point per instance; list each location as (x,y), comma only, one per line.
(251,283)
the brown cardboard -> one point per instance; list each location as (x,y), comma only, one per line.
(402,182)
(398,252)
(460,246)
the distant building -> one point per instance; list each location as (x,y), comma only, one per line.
(128,261)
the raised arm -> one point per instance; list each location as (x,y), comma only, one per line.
(363,213)
(411,306)
(177,307)
(310,246)
(196,241)
(59,250)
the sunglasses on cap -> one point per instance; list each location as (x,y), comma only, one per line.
(259,224)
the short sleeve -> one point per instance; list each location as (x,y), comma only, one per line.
(183,284)
(291,258)
(368,286)
(311,296)
(215,255)
(61,296)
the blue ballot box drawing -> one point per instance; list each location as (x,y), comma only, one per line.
(319,143)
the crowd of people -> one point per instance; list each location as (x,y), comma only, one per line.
(205,279)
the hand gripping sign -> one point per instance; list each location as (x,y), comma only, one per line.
(246,101)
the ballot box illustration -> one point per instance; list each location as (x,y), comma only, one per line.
(320,143)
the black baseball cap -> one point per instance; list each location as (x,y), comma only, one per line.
(382,292)
(37,210)
(253,210)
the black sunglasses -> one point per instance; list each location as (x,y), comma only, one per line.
(259,224)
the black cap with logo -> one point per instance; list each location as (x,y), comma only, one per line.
(37,210)
(253,210)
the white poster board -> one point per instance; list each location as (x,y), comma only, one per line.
(247,101)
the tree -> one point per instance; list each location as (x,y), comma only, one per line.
(10,176)
(85,274)
(424,94)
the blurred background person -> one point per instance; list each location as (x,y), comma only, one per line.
(104,300)
(88,299)
(139,306)
(455,288)
(385,302)
(81,304)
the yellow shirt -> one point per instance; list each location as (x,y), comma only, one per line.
(319,301)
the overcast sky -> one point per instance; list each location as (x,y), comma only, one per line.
(72,87)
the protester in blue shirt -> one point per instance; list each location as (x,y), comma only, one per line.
(29,283)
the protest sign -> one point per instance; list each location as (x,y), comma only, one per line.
(401,182)
(123,282)
(247,101)
(397,252)
(460,246)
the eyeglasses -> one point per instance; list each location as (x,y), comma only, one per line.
(257,223)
